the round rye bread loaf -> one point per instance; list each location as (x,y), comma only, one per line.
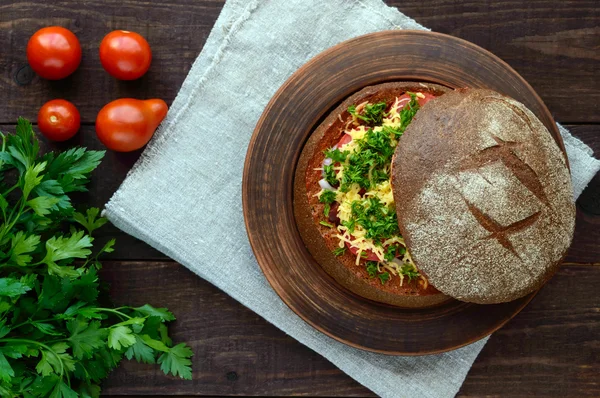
(483,196)
(320,240)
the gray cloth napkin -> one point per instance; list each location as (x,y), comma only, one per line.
(183,197)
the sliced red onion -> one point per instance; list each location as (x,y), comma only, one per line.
(327,161)
(325,185)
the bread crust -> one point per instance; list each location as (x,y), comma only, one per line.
(320,240)
(487,209)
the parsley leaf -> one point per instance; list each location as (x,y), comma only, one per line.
(177,361)
(393,251)
(11,287)
(141,352)
(90,221)
(6,371)
(20,245)
(75,246)
(85,337)
(162,313)
(120,336)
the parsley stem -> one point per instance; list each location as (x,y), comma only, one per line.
(62,368)
(10,189)
(29,321)
(115,311)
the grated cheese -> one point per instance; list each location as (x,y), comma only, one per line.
(383,191)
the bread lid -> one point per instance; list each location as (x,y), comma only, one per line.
(483,196)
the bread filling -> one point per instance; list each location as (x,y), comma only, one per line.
(357,192)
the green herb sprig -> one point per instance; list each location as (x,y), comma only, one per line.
(372,114)
(56,338)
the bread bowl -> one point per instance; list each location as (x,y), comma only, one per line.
(445,135)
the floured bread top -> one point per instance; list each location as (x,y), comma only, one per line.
(483,196)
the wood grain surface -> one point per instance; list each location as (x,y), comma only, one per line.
(552,348)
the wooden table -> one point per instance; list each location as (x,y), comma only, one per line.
(551,349)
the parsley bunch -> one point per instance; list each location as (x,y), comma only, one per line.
(58,336)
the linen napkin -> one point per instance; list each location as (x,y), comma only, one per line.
(183,197)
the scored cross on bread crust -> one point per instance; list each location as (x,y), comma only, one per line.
(484,197)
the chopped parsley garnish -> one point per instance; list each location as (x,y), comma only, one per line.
(369,164)
(384,277)
(336,155)
(390,252)
(326,224)
(327,197)
(394,251)
(409,111)
(379,220)
(350,224)
(372,269)
(330,175)
(408,270)
(372,113)
(339,251)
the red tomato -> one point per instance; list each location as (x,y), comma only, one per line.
(370,255)
(125,55)
(53,52)
(58,120)
(127,124)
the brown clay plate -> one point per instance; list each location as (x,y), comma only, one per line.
(289,118)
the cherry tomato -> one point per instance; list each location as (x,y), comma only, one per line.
(58,120)
(127,124)
(125,55)
(53,52)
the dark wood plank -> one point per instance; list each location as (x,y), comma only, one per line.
(549,349)
(552,44)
